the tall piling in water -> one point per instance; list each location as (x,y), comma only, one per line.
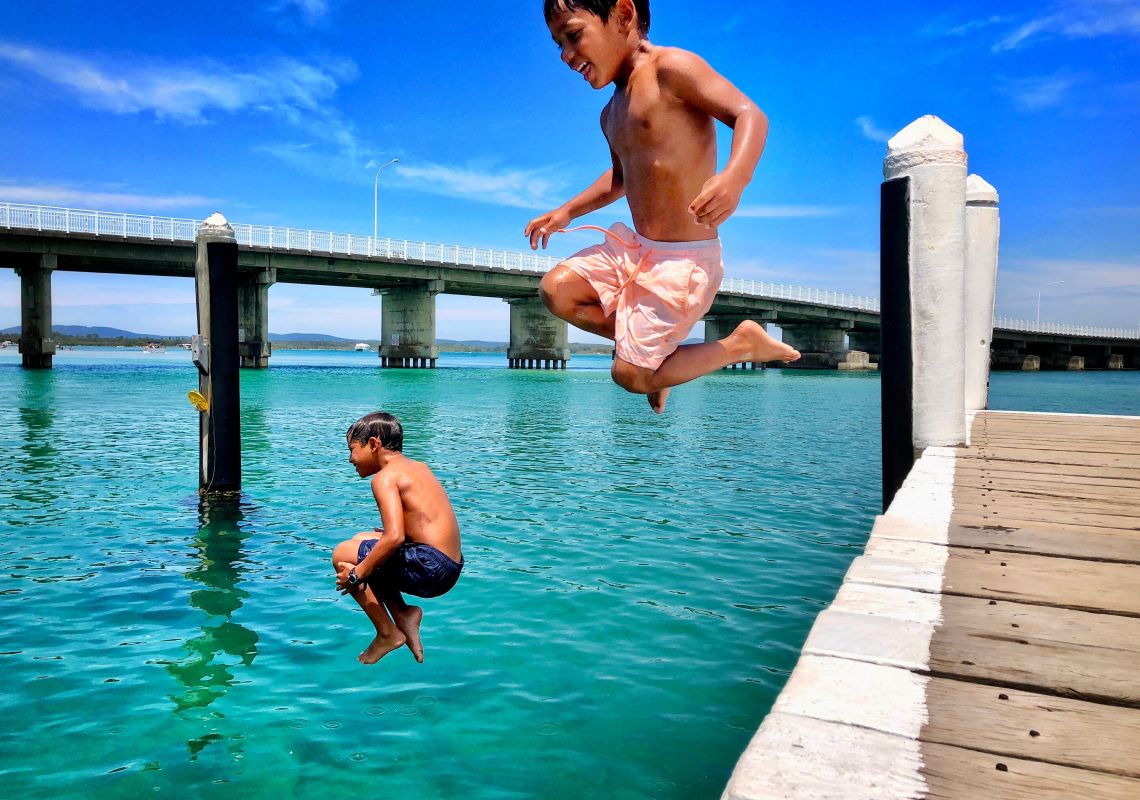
(216,356)
(983,228)
(922,283)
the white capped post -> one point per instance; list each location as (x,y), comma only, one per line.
(983,230)
(930,153)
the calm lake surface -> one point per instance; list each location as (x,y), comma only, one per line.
(637,588)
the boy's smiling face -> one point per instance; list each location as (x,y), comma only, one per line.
(594,49)
(363,457)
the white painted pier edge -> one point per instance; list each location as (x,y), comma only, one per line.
(846,724)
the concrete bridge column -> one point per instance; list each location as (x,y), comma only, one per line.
(1113,360)
(254,347)
(869,342)
(821,344)
(407,326)
(720,326)
(37,346)
(539,340)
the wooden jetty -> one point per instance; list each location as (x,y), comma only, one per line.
(987,645)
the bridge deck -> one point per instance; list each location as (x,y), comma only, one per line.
(988,642)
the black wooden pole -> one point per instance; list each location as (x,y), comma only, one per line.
(895,365)
(216,355)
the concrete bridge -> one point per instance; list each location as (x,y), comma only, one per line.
(832,329)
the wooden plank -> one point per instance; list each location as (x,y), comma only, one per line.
(952,773)
(1039,486)
(1044,580)
(1022,454)
(1083,628)
(965,495)
(800,757)
(992,719)
(970,519)
(986,653)
(966,459)
(1122,546)
(1031,517)
(1092,512)
(1011,722)
(1061,444)
(1038,417)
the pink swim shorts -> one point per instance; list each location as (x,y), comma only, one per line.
(656,291)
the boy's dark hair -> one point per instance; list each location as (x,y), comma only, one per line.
(383,426)
(599,8)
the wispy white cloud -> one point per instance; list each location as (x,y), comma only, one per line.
(47,194)
(872,131)
(1039,93)
(186,92)
(508,186)
(1077,19)
(974,25)
(786,212)
(310,10)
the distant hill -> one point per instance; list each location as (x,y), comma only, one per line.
(307,337)
(88,330)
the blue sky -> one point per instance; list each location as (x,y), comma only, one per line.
(279,111)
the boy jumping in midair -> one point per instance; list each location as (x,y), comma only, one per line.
(646,290)
(416,552)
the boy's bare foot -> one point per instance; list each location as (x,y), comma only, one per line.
(758,345)
(380,647)
(657,400)
(408,622)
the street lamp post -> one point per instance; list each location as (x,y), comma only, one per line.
(1050,283)
(376,195)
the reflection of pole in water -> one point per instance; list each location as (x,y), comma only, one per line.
(205,671)
(38,474)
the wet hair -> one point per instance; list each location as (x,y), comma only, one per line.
(599,8)
(383,426)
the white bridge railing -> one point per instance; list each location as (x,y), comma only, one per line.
(137,226)
(1025,326)
(802,294)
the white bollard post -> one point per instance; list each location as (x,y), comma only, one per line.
(931,154)
(983,230)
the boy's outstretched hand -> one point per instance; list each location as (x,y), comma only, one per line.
(542,227)
(719,197)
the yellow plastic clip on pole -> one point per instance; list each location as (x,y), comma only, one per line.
(198,400)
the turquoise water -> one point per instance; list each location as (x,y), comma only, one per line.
(636,593)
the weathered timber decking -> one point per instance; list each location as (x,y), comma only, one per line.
(987,645)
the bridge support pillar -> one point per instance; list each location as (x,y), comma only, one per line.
(254,347)
(1075,363)
(539,340)
(869,342)
(37,346)
(821,344)
(1115,361)
(407,326)
(719,326)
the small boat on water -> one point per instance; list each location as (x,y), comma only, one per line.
(6,344)
(154,347)
(186,346)
(363,347)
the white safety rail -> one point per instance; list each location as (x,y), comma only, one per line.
(102,223)
(1025,326)
(800,294)
(137,226)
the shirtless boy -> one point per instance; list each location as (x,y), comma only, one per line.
(646,290)
(416,552)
